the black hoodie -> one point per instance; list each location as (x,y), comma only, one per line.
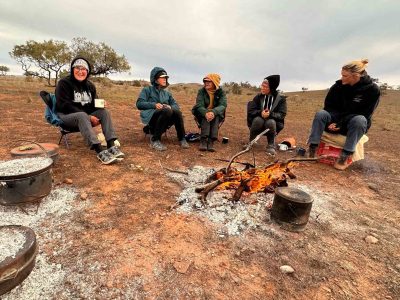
(344,102)
(276,104)
(75,96)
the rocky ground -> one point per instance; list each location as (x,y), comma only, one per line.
(114,232)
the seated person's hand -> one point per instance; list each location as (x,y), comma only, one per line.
(159,106)
(105,104)
(265,113)
(209,116)
(94,121)
(332,127)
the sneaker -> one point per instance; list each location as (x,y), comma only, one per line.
(210,146)
(342,162)
(157,145)
(203,145)
(106,157)
(270,150)
(184,144)
(312,150)
(114,151)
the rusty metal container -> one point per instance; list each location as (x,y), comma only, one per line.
(14,269)
(28,187)
(291,208)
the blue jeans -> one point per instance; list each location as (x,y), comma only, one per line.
(356,128)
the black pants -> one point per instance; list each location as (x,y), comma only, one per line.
(259,124)
(164,118)
(210,129)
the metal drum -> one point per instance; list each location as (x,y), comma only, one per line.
(26,187)
(15,268)
(291,208)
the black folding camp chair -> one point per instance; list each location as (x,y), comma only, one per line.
(64,130)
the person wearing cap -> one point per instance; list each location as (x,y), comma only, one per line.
(348,110)
(159,110)
(267,110)
(209,110)
(75,96)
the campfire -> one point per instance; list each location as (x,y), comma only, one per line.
(249,180)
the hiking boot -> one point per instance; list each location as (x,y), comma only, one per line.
(114,151)
(106,157)
(203,145)
(312,150)
(342,162)
(210,146)
(157,145)
(270,150)
(184,144)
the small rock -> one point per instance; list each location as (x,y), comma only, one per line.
(374,187)
(84,196)
(68,181)
(398,267)
(182,266)
(286,269)
(371,239)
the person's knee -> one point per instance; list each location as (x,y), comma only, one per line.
(359,122)
(166,112)
(81,116)
(257,122)
(322,115)
(271,124)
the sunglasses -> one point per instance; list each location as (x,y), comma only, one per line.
(205,81)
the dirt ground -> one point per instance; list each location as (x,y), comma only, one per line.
(145,250)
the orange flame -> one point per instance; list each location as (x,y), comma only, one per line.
(256,180)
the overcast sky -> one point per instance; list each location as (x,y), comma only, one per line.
(306,42)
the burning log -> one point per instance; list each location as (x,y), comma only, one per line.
(250,180)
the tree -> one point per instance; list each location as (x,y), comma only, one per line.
(48,57)
(4,70)
(103,58)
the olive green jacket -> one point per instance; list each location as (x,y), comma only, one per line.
(203,101)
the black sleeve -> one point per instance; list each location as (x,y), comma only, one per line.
(253,110)
(332,100)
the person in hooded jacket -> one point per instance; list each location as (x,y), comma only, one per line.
(267,110)
(209,111)
(348,110)
(75,96)
(159,110)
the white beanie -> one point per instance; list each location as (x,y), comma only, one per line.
(81,63)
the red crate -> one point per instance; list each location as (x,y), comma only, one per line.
(329,152)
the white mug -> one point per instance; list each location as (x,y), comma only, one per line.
(99,103)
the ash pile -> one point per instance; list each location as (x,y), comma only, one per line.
(233,218)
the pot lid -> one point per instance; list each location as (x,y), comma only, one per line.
(34,149)
(293,194)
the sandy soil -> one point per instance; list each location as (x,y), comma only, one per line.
(126,242)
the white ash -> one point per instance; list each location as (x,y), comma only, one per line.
(49,221)
(11,241)
(234,218)
(22,166)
